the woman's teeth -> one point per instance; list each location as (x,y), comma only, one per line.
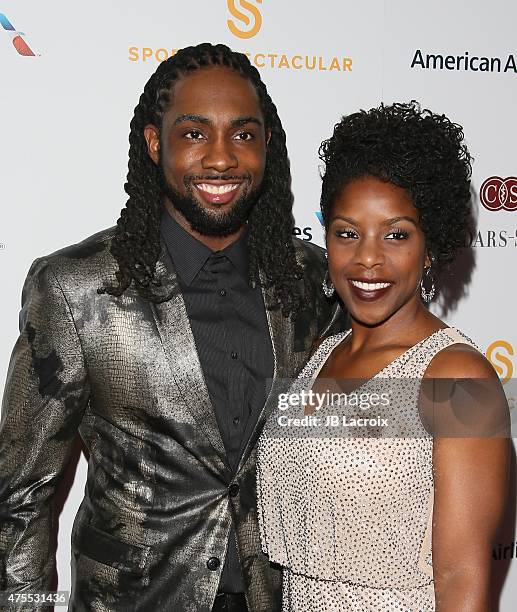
(369,286)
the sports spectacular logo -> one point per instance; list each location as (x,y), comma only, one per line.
(17,37)
(244,20)
(248,14)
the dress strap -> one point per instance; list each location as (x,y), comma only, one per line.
(316,362)
(418,360)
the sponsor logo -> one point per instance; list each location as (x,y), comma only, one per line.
(284,61)
(504,553)
(500,353)
(2,246)
(320,217)
(495,238)
(245,22)
(305,233)
(465,62)
(275,61)
(144,54)
(246,13)
(498,193)
(16,37)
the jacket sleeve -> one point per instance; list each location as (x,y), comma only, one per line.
(45,395)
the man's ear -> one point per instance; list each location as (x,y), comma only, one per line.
(152,138)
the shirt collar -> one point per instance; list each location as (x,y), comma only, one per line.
(189,255)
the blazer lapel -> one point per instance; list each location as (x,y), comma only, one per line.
(178,342)
(281,331)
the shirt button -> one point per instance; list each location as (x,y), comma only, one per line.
(233,489)
(213,563)
(236,420)
(222,293)
(234,355)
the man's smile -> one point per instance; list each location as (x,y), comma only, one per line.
(218,191)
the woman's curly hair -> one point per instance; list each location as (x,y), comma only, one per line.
(415,149)
(136,245)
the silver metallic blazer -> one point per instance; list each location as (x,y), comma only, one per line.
(152,529)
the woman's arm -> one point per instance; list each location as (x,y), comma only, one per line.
(470,478)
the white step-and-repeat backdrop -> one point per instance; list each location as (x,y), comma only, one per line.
(72,73)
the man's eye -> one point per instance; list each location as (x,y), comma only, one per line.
(244,136)
(193,135)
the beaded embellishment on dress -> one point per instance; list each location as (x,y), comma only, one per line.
(349,518)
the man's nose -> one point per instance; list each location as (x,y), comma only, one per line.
(220,156)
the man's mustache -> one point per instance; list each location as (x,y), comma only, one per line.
(216,177)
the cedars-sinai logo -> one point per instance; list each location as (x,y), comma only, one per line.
(249,16)
(17,37)
(499,193)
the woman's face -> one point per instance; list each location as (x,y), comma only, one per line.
(376,250)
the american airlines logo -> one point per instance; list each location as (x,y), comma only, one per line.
(498,193)
(17,39)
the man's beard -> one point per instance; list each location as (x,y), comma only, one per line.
(205,222)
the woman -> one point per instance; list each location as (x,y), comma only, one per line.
(351,517)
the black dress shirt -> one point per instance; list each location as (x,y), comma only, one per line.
(229,324)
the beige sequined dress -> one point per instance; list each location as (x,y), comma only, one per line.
(349,518)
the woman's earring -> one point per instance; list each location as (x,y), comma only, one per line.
(328,287)
(427,296)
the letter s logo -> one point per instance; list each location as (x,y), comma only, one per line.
(502,363)
(253,23)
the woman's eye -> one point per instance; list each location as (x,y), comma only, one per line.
(346,233)
(397,235)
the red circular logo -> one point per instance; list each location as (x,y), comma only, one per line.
(498,193)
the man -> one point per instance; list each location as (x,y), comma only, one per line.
(155,340)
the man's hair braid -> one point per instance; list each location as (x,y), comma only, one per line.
(136,244)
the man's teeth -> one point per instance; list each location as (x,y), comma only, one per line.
(217,189)
(369,286)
